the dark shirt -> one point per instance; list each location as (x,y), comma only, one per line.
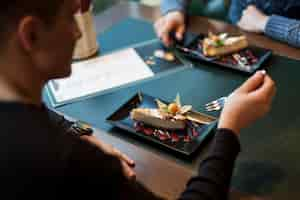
(38,160)
(283,24)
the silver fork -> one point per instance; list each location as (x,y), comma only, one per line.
(216,105)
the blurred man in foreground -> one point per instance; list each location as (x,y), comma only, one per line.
(40,161)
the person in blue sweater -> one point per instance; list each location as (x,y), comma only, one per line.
(279,20)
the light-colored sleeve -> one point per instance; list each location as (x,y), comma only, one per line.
(172,5)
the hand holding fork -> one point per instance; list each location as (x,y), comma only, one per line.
(246,104)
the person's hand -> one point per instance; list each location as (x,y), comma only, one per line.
(253,20)
(248,103)
(173,21)
(127,163)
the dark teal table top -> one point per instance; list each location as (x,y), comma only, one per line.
(269,163)
(125,33)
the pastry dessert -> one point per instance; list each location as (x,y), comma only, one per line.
(169,117)
(219,45)
(157,119)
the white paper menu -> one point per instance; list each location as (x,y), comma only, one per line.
(99,74)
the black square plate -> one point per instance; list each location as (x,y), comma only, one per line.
(254,55)
(184,142)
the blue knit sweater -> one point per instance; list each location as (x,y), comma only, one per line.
(283,24)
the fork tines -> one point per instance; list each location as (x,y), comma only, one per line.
(216,104)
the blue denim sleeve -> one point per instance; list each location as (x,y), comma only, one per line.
(284,29)
(172,5)
(236,10)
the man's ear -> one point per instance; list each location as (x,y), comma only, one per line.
(29,32)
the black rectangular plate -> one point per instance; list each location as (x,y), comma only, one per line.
(261,54)
(121,119)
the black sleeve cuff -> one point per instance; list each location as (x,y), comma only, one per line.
(226,142)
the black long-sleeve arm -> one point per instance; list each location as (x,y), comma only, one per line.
(215,172)
(211,183)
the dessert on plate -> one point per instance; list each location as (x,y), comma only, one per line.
(170,122)
(222,44)
(167,116)
(173,116)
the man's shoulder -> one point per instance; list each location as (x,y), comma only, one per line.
(28,134)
